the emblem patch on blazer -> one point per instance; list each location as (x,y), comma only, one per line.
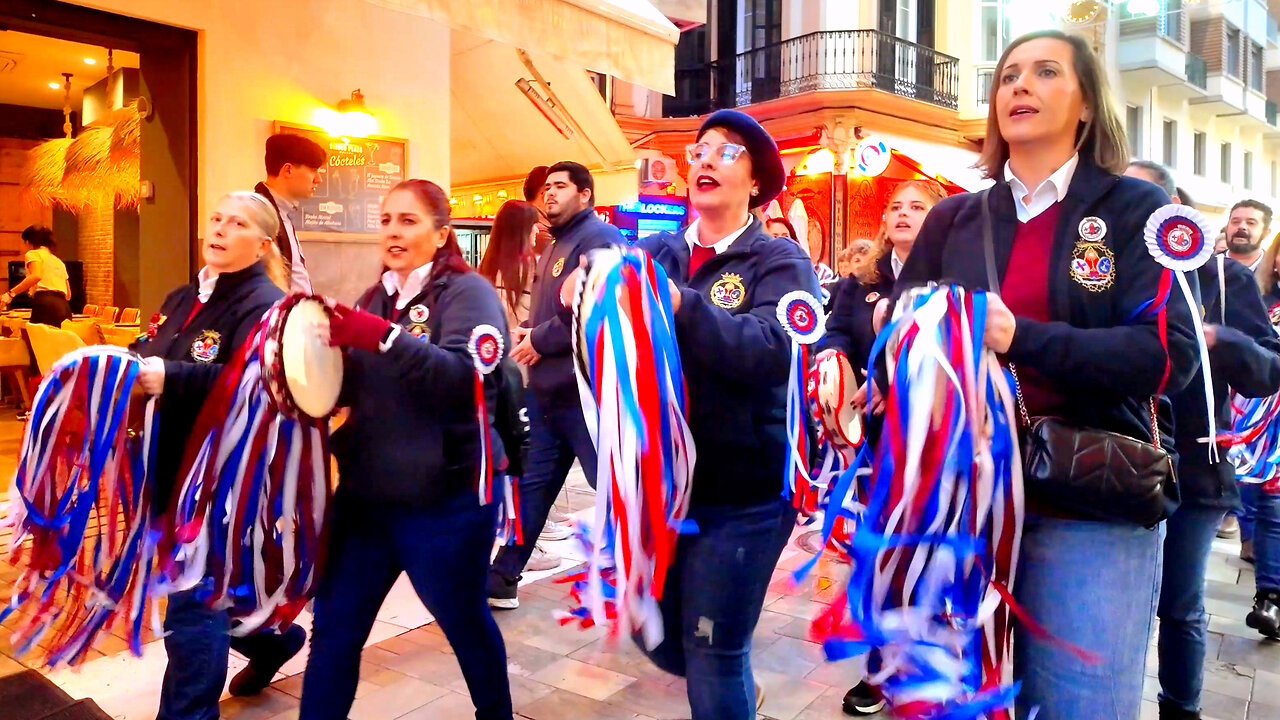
(1093,266)
(420,331)
(419,313)
(557,268)
(728,292)
(1092,229)
(873,296)
(205,348)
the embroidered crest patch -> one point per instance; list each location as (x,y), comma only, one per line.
(557,268)
(728,292)
(1093,266)
(205,347)
(419,313)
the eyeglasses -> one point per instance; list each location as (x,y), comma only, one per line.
(725,154)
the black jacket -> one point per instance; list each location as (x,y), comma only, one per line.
(552,376)
(194,356)
(412,438)
(1244,359)
(736,359)
(853,305)
(1105,366)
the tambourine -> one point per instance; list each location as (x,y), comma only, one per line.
(301,372)
(837,384)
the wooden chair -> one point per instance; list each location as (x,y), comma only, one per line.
(49,344)
(90,310)
(129,316)
(108,314)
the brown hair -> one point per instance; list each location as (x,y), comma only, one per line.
(1265,273)
(934,193)
(448,257)
(865,270)
(1101,138)
(507,256)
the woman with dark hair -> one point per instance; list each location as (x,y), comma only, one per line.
(46,279)
(782,228)
(508,258)
(408,457)
(1075,280)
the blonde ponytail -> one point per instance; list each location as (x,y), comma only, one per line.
(275,266)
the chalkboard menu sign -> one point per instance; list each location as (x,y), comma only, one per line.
(359,172)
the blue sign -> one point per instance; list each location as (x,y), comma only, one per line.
(653,208)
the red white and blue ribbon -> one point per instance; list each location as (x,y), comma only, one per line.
(801,316)
(1253,444)
(1178,237)
(634,402)
(486,348)
(81,507)
(247,521)
(938,513)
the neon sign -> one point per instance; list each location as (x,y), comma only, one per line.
(653,208)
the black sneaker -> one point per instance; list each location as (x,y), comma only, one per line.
(1170,711)
(267,653)
(1265,615)
(502,593)
(863,699)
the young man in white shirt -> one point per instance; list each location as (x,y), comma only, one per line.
(293,165)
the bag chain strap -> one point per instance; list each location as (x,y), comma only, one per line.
(1026,418)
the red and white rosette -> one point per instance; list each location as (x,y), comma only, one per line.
(1180,239)
(801,316)
(486,348)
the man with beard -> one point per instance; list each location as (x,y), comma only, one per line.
(1247,226)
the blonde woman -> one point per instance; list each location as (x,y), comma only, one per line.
(197,330)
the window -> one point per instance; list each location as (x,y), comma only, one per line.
(1199,141)
(1224,163)
(1233,52)
(994,26)
(1133,128)
(1248,170)
(1169,22)
(1170,143)
(986,75)
(1255,66)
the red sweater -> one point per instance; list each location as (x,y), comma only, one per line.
(1025,290)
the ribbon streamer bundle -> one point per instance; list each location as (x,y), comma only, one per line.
(1254,441)
(485,346)
(935,549)
(633,399)
(801,316)
(1177,236)
(81,507)
(248,516)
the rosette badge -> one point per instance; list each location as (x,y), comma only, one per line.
(1178,237)
(485,347)
(801,316)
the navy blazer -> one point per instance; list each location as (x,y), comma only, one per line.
(1105,366)
(850,327)
(736,359)
(411,438)
(195,352)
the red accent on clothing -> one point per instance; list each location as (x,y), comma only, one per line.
(194,309)
(699,255)
(1025,290)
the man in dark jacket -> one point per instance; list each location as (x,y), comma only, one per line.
(1242,358)
(558,432)
(293,172)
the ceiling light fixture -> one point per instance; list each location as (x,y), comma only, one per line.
(90,61)
(55,86)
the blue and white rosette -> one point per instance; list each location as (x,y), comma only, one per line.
(485,346)
(801,315)
(1179,238)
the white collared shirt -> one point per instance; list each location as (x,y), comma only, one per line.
(411,287)
(691,236)
(896,264)
(300,280)
(207,280)
(1052,190)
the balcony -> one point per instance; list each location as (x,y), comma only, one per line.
(835,60)
(1154,52)
(1197,72)
(1271,113)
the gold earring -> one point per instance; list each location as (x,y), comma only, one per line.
(755,191)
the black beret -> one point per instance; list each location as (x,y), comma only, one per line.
(766,163)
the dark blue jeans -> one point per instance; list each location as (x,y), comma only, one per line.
(196,642)
(557,434)
(713,597)
(1189,534)
(1264,530)
(445,551)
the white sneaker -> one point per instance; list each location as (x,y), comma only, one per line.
(555,515)
(555,531)
(542,560)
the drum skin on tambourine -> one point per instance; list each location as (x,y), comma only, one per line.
(301,373)
(836,385)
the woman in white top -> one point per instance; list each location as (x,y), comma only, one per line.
(46,279)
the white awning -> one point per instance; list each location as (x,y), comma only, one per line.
(628,39)
(498,133)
